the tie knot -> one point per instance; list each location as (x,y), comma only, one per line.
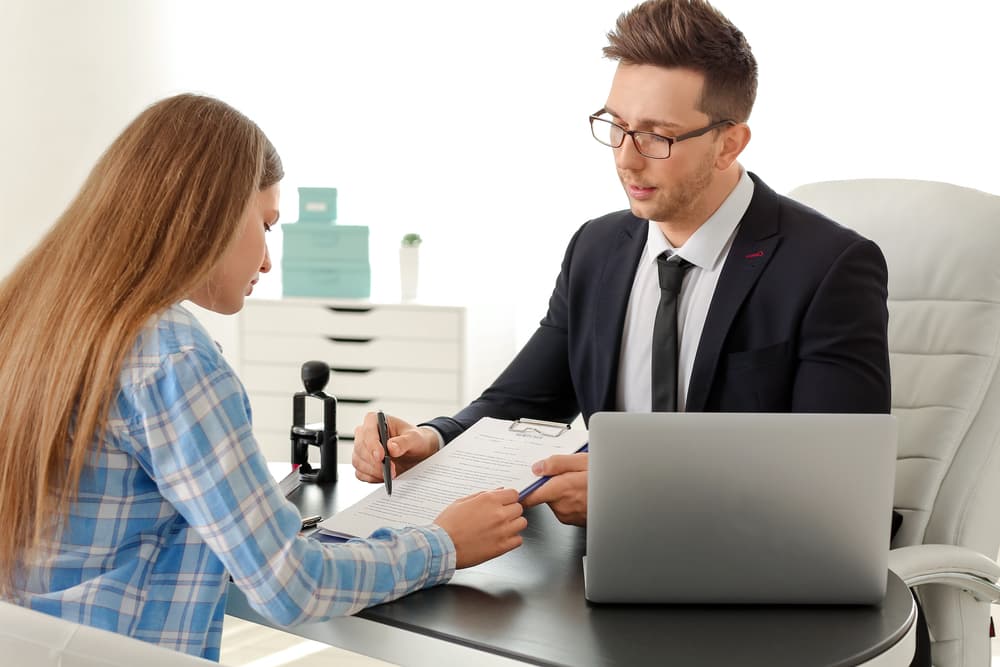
(671,272)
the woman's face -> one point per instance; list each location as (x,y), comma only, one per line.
(233,278)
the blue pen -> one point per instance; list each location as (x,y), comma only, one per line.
(541,480)
(383,438)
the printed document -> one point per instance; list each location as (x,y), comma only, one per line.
(493,453)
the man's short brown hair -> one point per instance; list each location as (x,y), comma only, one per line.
(691,34)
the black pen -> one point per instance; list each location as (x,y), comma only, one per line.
(383,437)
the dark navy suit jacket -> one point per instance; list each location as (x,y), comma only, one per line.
(798,323)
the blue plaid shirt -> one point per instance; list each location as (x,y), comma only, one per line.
(178,497)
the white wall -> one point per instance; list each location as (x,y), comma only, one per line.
(72,76)
(466,122)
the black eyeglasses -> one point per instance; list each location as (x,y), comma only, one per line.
(651,145)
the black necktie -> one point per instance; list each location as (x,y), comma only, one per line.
(665,333)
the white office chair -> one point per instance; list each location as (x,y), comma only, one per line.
(942,245)
(32,638)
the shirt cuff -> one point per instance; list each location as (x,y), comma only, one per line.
(435,432)
(441,566)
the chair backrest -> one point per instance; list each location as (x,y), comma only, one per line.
(29,637)
(942,245)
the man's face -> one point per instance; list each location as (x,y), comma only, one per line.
(233,278)
(663,101)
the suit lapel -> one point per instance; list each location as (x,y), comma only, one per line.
(752,249)
(617,276)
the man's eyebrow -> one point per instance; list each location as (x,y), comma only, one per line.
(648,122)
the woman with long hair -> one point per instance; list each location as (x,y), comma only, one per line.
(130,482)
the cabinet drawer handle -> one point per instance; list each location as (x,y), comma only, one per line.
(349,309)
(355,401)
(356,371)
(346,339)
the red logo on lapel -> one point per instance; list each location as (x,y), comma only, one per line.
(754,255)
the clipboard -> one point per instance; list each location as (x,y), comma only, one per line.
(543,428)
(492,453)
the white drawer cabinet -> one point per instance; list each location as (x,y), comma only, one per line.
(351,353)
(406,359)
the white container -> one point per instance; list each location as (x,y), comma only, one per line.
(409,271)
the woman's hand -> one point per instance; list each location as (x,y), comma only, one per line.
(483,525)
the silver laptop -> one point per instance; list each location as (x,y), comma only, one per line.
(739,508)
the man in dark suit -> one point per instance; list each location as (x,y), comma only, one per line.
(780,310)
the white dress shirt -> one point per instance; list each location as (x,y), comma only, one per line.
(706,250)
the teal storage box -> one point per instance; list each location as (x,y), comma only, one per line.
(317,204)
(324,242)
(345,280)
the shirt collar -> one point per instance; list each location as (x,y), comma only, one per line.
(705,247)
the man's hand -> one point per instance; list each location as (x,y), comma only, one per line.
(483,525)
(566,492)
(408,446)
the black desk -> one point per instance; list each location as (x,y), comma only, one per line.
(528,605)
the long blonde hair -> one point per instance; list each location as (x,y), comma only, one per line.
(154,216)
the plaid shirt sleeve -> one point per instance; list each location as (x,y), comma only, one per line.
(192,434)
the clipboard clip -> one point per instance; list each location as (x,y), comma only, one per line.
(548,429)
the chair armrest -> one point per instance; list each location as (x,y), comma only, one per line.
(954,566)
